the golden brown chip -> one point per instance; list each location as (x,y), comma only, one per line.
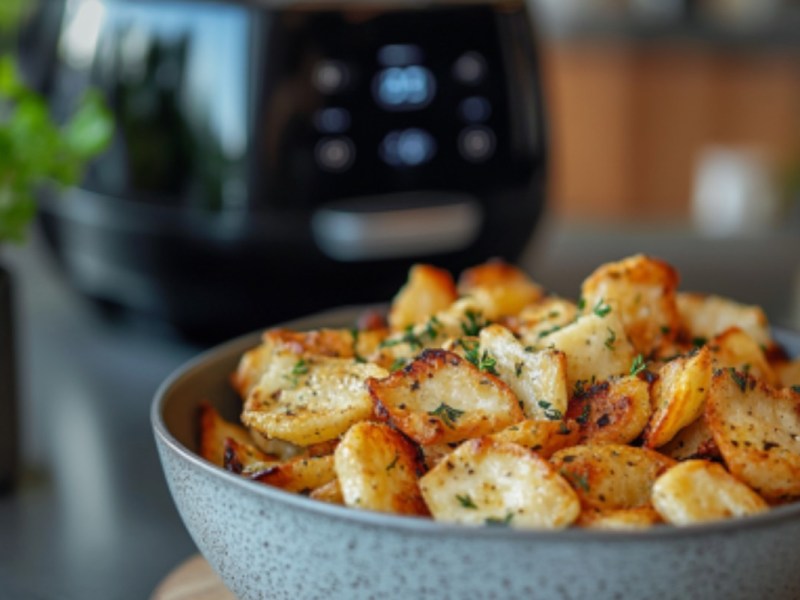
(757,430)
(214,430)
(538,378)
(596,347)
(613,411)
(707,315)
(378,469)
(485,482)
(331,493)
(502,289)
(735,348)
(441,397)
(542,437)
(642,291)
(427,291)
(693,441)
(695,491)
(611,476)
(678,396)
(300,474)
(309,400)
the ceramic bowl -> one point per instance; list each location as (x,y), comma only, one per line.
(266,543)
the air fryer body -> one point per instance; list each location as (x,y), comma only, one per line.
(271,161)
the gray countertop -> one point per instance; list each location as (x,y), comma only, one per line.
(93,517)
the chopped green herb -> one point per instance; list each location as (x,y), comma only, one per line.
(432,328)
(666,329)
(581,481)
(529,349)
(358,358)
(553,314)
(738,378)
(638,365)
(397,364)
(563,429)
(601,309)
(551,413)
(447,414)
(611,339)
(518,368)
(504,522)
(584,418)
(796,389)
(475,322)
(484,362)
(300,367)
(699,341)
(465,501)
(547,332)
(581,303)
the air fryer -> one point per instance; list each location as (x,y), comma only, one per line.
(275,159)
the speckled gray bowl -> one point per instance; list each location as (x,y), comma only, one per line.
(269,544)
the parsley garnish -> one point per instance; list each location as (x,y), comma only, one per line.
(699,341)
(551,413)
(581,303)
(299,368)
(465,501)
(547,332)
(358,358)
(475,322)
(484,362)
(447,414)
(504,522)
(638,365)
(601,309)
(397,364)
(584,418)
(518,368)
(611,339)
(796,389)
(582,481)
(738,378)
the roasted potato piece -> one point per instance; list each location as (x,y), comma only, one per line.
(735,348)
(331,493)
(214,430)
(695,491)
(427,291)
(243,458)
(301,474)
(612,411)
(500,288)
(706,316)
(693,441)
(757,430)
(377,469)
(641,517)
(538,378)
(309,400)
(678,396)
(596,347)
(542,437)
(611,476)
(440,397)
(543,317)
(641,290)
(340,343)
(485,482)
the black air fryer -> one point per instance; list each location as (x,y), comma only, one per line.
(274,159)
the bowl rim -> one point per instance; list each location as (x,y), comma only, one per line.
(424,525)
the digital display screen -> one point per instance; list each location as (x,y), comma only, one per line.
(404,88)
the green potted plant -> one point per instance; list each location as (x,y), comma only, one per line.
(35,151)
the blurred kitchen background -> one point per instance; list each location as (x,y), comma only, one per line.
(670,127)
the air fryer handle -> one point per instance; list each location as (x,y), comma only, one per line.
(397,226)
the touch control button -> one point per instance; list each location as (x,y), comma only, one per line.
(335,154)
(407,148)
(476,144)
(470,68)
(330,76)
(475,109)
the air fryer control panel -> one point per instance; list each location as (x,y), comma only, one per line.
(365,104)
